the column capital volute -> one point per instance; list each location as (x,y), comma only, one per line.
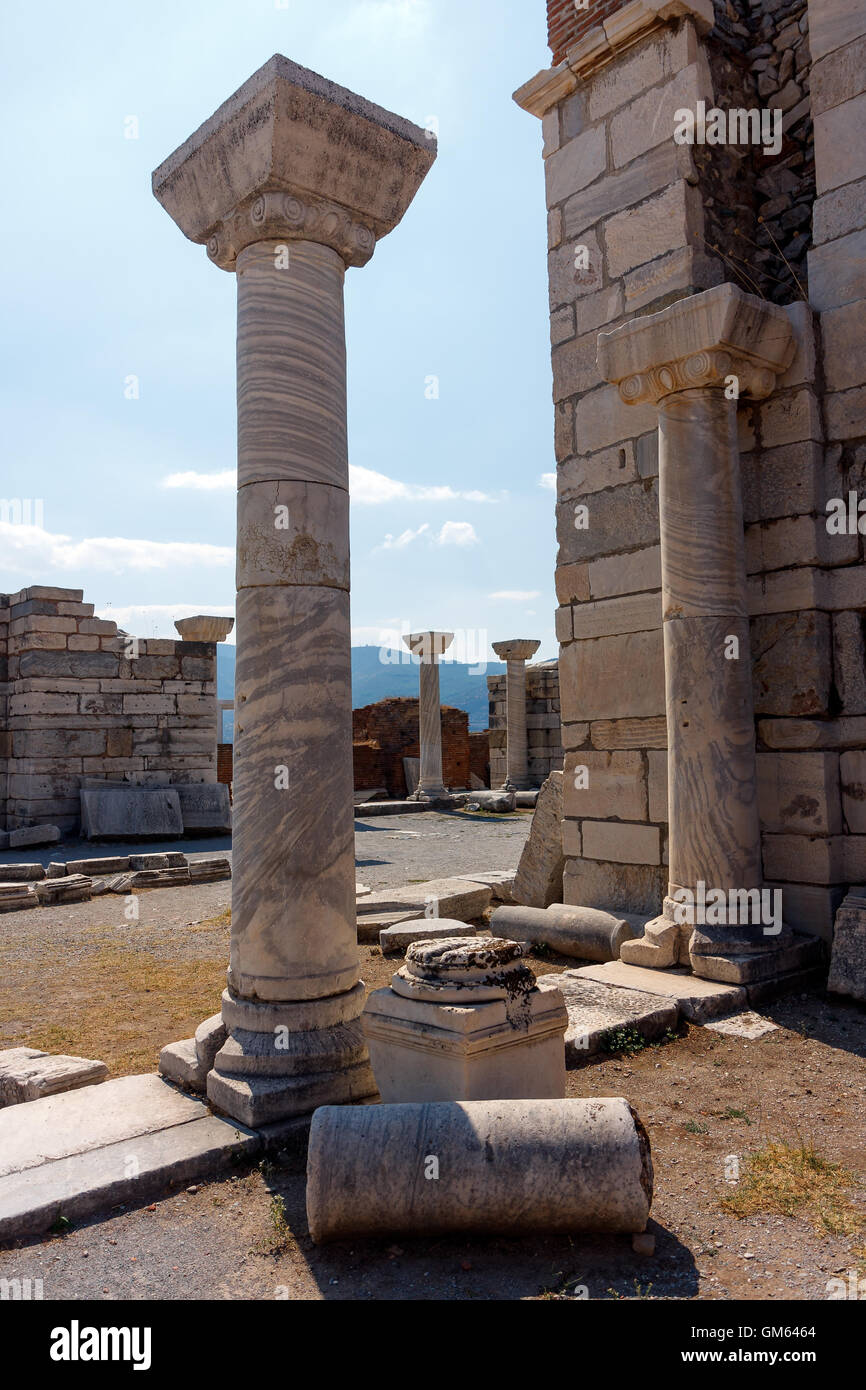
(700,342)
(293,157)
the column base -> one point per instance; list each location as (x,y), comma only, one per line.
(284,1059)
(432,796)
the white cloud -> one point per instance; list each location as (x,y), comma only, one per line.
(157,619)
(405,538)
(457,533)
(516,595)
(203,482)
(367,487)
(30,549)
(548,480)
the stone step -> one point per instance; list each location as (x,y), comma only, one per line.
(596,1009)
(73,1154)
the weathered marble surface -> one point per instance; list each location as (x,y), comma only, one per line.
(428,647)
(506,1166)
(515,653)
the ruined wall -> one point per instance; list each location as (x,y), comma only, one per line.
(543,726)
(633,219)
(84,703)
(390,729)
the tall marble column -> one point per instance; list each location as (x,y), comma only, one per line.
(694,360)
(428,647)
(515,653)
(292,180)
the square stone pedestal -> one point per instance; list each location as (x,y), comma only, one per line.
(495,1036)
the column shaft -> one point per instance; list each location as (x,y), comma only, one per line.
(516,757)
(430,727)
(714,826)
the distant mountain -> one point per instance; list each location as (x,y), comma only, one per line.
(373,679)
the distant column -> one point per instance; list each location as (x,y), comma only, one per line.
(516,652)
(428,647)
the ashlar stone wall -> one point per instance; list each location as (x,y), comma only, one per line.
(81,702)
(632,219)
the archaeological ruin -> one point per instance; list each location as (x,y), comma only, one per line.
(538,1010)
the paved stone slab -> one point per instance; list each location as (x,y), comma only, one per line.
(595,1010)
(118,813)
(697,999)
(26,1074)
(746,1025)
(391,808)
(75,1185)
(398,938)
(499,881)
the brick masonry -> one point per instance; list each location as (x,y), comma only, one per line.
(82,702)
(387,732)
(635,222)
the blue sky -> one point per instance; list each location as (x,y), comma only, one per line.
(132,499)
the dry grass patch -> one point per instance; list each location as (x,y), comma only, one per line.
(117,1002)
(794,1180)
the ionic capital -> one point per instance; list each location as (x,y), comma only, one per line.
(721,338)
(277,215)
(701,369)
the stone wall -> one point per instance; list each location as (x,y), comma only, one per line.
(83,703)
(387,732)
(633,218)
(543,727)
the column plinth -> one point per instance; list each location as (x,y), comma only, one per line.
(515,653)
(242,186)
(428,647)
(694,360)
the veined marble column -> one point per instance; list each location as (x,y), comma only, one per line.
(516,653)
(292,180)
(428,647)
(694,360)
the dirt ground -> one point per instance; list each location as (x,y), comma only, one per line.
(704,1097)
(84,980)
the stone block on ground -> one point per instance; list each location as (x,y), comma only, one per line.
(373,924)
(113,864)
(392,808)
(538,881)
(21,873)
(68,1154)
(34,835)
(746,1025)
(178,1062)
(204,806)
(848,958)
(55,869)
(459,898)
(72,888)
(696,999)
(527,800)
(499,881)
(398,938)
(583,932)
(209,870)
(597,1010)
(27,1074)
(130,813)
(498,803)
(804,953)
(209,1038)
(150,878)
(15,896)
